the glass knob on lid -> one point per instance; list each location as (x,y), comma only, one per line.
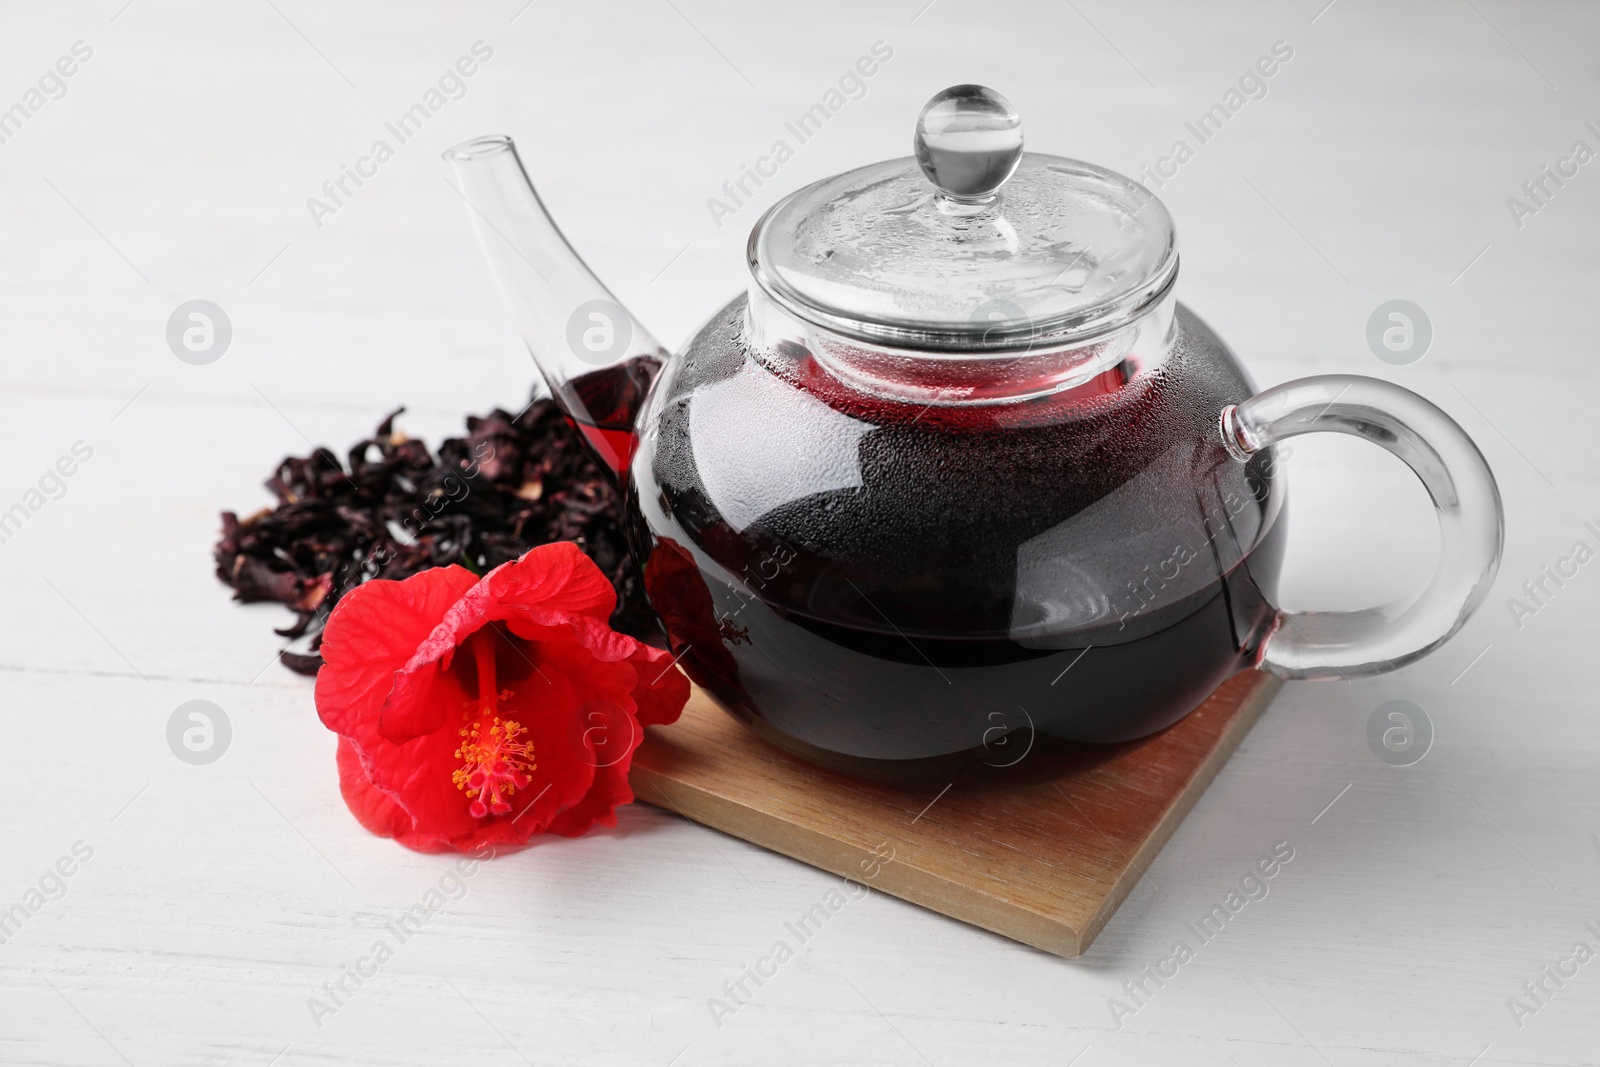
(968,142)
(970,245)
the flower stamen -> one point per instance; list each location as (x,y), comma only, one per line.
(494,765)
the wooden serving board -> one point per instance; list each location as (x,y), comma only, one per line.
(1041,854)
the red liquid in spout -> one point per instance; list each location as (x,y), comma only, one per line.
(602,406)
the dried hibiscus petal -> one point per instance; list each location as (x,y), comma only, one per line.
(394,509)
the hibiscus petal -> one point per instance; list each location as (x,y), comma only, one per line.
(601,641)
(550,583)
(419,702)
(418,775)
(599,804)
(549,586)
(371,635)
(554,584)
(662,690)
(372,807)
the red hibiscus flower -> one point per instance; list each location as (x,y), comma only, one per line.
(483,711)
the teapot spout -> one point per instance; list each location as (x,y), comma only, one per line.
(596,358)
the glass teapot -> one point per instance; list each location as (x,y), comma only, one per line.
(958,474)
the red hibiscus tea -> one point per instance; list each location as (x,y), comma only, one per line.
(931,586)
(602,406)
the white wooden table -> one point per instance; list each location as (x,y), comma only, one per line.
(176,165)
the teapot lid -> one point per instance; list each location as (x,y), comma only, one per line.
(971,243)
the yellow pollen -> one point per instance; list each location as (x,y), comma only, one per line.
(495,764)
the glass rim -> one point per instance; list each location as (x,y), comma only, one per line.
(1001,340)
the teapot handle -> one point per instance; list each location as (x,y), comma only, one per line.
(1349,644)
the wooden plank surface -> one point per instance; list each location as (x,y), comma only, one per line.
(1042,852)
